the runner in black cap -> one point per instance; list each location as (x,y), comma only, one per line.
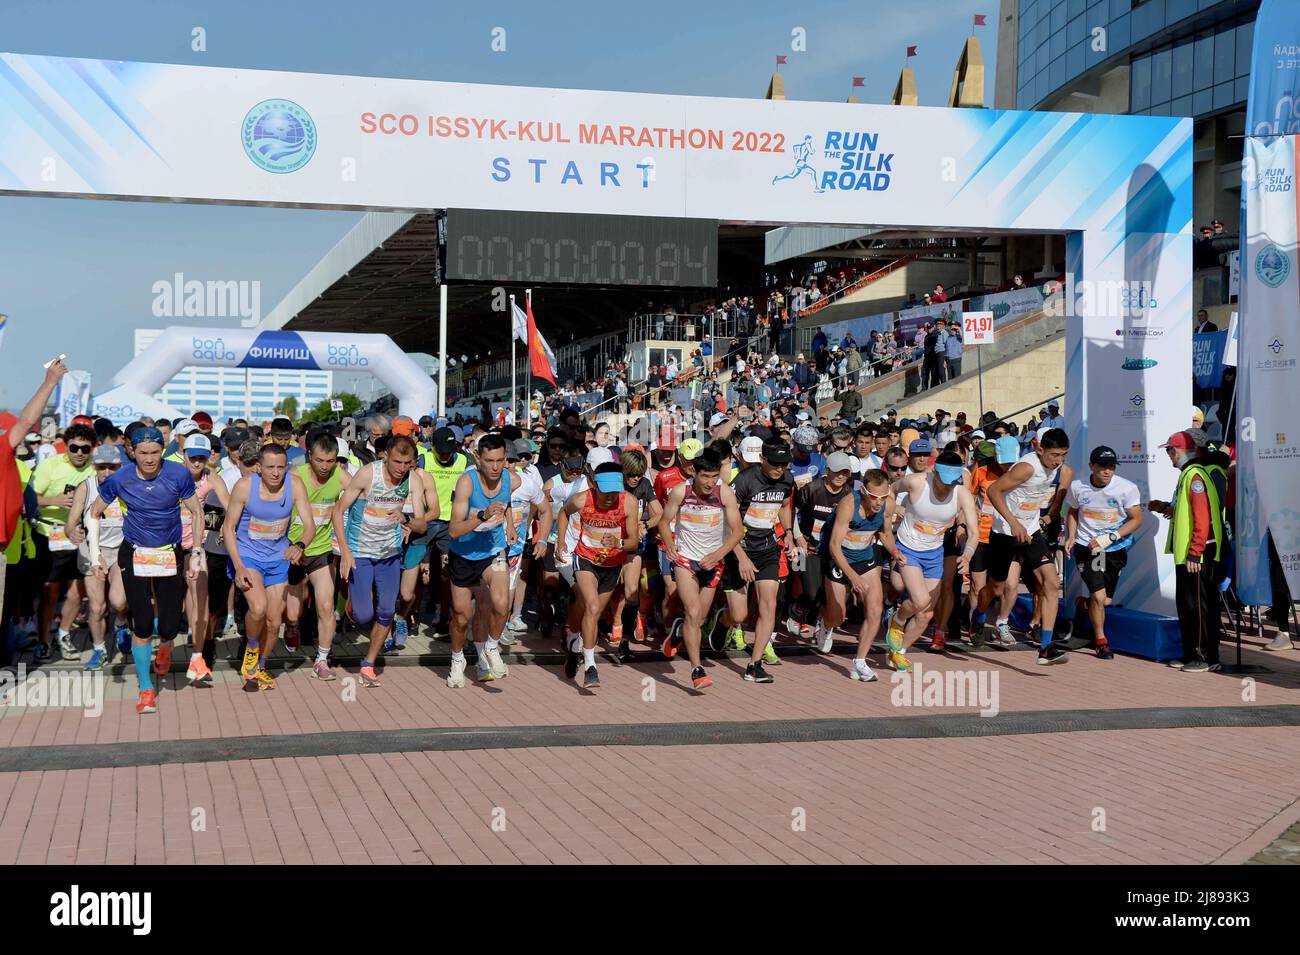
(1105,513)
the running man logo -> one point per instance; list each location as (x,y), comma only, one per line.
(861,164)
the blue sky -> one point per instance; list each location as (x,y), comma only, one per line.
(76,276)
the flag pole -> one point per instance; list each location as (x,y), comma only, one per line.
(528,392)
(514,392)
(442,346)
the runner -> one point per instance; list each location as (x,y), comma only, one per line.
(997,457)
(256,535)
(860,543)
(1105,513)
(197,453)
(103,578)
(815,506)
(242,461)
(415,553)
(325,482)
(481,534)
(667,479)
(1017,543)
(370,543)
(554,610)
(764,494)
(446,464)
(626,602)
(149,555)
(700,526)
(527,503)
(55,480)
(610,531)
(932,502)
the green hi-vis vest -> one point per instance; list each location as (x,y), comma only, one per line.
(323,499)
(444,479)
(1180,528)
(21,545)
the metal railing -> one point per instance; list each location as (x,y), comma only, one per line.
(854,286)
(666,326)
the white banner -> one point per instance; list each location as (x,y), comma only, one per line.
(73,397)
(1268,448)
(1234,273)
(1010,304)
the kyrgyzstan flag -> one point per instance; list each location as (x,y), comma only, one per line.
(540,356)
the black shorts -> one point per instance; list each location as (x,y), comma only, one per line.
(548,562)
(1103,575)
(219,583)
(439,537)
(55,566)
(465,572)
(767,566)
(607,578)
(877,559)
(950,545)
(979,561)
(300,572)
(1004,551)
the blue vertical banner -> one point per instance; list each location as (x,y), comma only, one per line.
(1207,358)
(1268,376)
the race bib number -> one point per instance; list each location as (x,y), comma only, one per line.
(113,516)
(800,480)
(701,519)
(861,540)
(1101,515)
(154,562)
(601,538)
(186,519)
(59,538)
(762,516)
(1032,506)
(818,524)
(322,512)
(260,530)
(519,513)
(927,531)
(378,514)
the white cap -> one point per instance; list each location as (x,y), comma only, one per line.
(751,449)
(855,463)
(717,419)
(185,426)
(598,456)
(839,461)
(803,416)
(197,442)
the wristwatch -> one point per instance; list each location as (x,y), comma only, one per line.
(481,515)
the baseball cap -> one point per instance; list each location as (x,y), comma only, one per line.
(201,418)
(986,449)
(198,443)
(1103,456)
(402,424)
(804,415)
(804,436)
(774,452)
(1008,449)
(838,461)
(527,446)
(920,446)
(512,451)
(426,421)
(84,419)
(717,419)
(444,440)
(1181,440)
(147,435)
(1054,404)
(751,449)
(1199,436)
(690,449)
(106,454)
(1197,414)
(598,456)
(234,437)
(32,437)
(185,426)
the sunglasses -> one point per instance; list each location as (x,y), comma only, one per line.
(107,467)
(893,470)
(80,448)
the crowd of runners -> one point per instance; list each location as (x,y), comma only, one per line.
(885,537)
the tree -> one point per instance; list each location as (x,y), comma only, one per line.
(288,408)
(352,406)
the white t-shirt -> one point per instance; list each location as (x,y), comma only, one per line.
(529,492)
(1103,510)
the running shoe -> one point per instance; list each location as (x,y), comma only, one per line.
(894,635)
(456,678)
(590,678)
(123,635)
(623,653)
(198,671)
(938,642)
(1196,666)
(147,702)
(516,624)
(97,659)
(616,634)
(1104,652)
(485,674)
(898,660)
(390,645)
(792,625)
(1176,664)
(321,671)
(769,654)
(715,639)
(754,673)
(249,665)
(68,648)
(267,682)
(640,628)
(162,659)
(673,642)
(736,638)
(400,632)
(1006,639)
(368,676)
(700,680)
(862,672)
(42,652)
(495,663)
(1053,654)
(231,629)
(824,637)
(507,639)
(292,636)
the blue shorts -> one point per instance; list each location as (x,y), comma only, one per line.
(414,552)
(930,561)
(273,572)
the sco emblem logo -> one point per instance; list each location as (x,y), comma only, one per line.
(1272,265)
(279,136)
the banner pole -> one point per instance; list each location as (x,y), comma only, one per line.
(528,370)
(514,392)
(442,349)
(979,359)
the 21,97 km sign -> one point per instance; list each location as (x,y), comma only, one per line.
(978,328)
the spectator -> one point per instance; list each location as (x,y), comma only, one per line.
(1203,323)
(854,365)
(931,370)
(953,349)
(850,402)
(1018,282)
(819,341)
(939,294)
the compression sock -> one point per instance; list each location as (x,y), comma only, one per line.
(142,655)
(1047,640)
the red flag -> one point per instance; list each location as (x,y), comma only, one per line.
(979,19)
(911,51)
(537,350)
(859,80)
(779,59)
